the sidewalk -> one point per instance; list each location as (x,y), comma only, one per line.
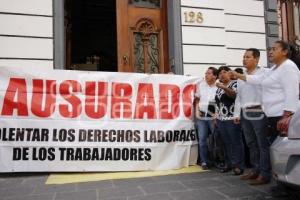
(209,185)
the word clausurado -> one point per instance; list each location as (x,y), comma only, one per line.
(96,99)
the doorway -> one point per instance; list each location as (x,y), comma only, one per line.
(116,36)
(90,35)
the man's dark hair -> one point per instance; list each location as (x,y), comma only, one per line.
(239,70)
(223,68)
(255,52)
(214,71)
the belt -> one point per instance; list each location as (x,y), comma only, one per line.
(205,114)
(257,107)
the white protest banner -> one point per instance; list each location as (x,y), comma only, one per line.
(59,120)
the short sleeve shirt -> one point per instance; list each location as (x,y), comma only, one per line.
(207,94)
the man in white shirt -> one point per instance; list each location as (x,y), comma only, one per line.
(253,121)
(205,109)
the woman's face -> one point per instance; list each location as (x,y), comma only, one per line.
(224,76)
(277,54)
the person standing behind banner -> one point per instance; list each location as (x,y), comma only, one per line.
(205,110)
(253,121)
(238,70)
(230,133)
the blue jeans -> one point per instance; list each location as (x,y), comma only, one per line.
(204,127)
(254,126)
(231,135)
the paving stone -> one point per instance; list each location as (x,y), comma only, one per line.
(119,192)
(162,196)
(81,195)
(33,197)
(205,183)
(233,180)
(238,192)
(16,191)
(163,187)
(264,188)
(257,197)
(203,194)
(95,185)
(11,183)
(120,198)
(189,176)
(43,189)
(134,182)
(35,181)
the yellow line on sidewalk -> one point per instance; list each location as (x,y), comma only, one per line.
(64,178)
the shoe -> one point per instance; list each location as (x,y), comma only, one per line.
(218,165)
(260,180)
(221,165)
(249,176)
(225,169)
(237,171)
(204,166)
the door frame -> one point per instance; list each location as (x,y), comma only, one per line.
(59,55)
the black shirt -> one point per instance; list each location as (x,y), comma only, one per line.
(225,104)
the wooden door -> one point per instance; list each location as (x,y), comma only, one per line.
(142,36)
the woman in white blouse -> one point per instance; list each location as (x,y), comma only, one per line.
(280,87)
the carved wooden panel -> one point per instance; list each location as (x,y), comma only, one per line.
(145,3)
(138,53)
(153,54)
(146,47)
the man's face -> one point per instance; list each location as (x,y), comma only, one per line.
(249,60)
(209,76)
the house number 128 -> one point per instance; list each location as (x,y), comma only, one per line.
(193,17)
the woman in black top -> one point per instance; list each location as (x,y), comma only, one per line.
(230,132)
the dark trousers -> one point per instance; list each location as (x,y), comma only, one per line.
(254,124)
(231,135)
